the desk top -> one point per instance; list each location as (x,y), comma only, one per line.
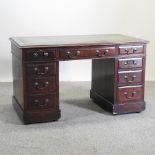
(76,40)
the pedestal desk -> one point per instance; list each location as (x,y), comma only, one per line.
(118,73)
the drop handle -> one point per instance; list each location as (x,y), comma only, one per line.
(106,51)
(99,54)
(130,97)
(45,54)
(78,53)
(132,80)
(36,102)
(35,54)
(35,69)
(135,62)
(41,85)
(126,50)
(44,103)
(126,62)
(45,71)
(135,49)
(69,54)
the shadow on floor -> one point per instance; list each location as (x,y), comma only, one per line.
(8,115)
(86,104)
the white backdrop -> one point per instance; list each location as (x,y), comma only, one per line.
(70,17)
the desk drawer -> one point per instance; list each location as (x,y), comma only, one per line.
(133,93)
(130,63)
(69,53)
(128,77)
(36,102)
(42,85)
(39,54)
(128,49)
(41,70)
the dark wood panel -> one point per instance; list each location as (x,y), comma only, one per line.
(103,78)
(18,78)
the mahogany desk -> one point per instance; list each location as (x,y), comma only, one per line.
(118,73)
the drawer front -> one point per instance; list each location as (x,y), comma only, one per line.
(130,63)
(36,102)
(39,54)
(66,54)
(128,77)
(42,85)
(125,50)
(40,70)
(126,94)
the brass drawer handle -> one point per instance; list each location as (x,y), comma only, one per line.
(36,102)
(35,54)
(46,101)
(129,81)
(45,54)
(135,50)
(130,97)
(135,62)
(101,55)
(98,53)
(78,53)
(126,62)
(36,70)
(106,51)
(42,85)
(126,50)
(73,57)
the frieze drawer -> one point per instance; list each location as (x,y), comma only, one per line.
(69,53)
(127,49)
(39,54)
